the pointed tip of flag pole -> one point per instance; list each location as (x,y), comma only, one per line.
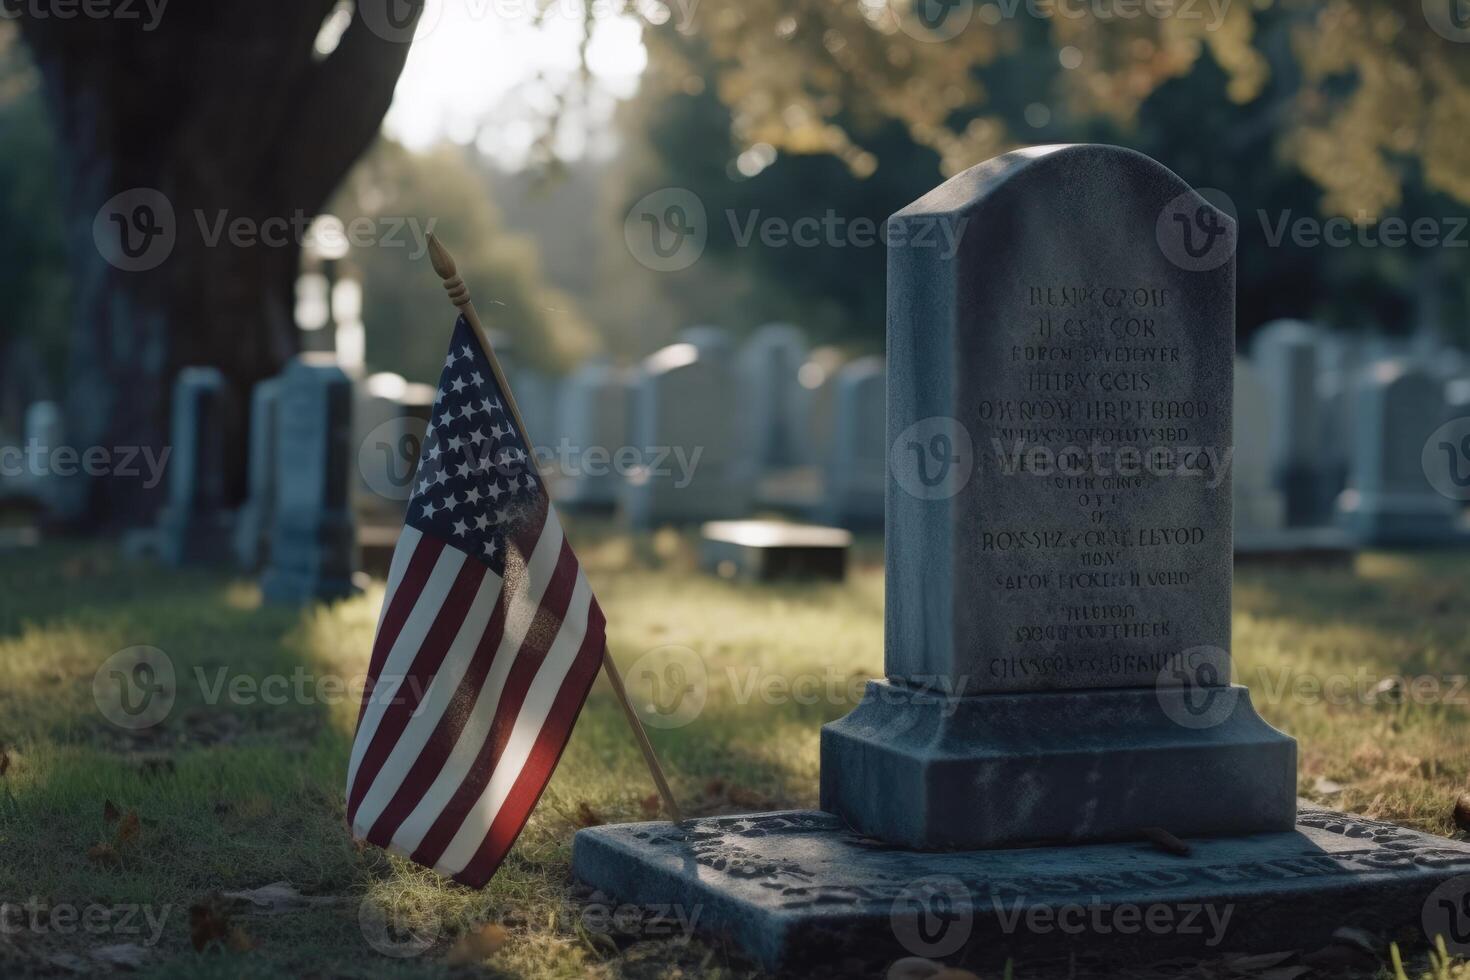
(440,258)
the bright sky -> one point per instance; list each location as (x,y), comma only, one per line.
(483,70)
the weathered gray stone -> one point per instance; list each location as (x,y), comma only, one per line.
(1288,356)
(194,526)
(769,551)
(857,463)
(1260,510)
(798,888)
(773,404)
(1390,500)
(685,426)
(592,436)
(253,526)
(1058,521)
(314,535)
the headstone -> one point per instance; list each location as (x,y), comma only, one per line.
(1259,507)
(1058,523)
(45,432)
(1391,499)
(314,536)
(685,425)
(253,526)
(857,458)
(772,551)
(390,416)
(1058,628)
(818,377)
(773,403)
(195,526)
(1287,355)
(1336,389)
(709,339)
(592,446)
(535,396)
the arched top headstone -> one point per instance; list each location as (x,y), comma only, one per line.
(1059,318)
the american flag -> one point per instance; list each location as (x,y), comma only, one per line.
(487,644)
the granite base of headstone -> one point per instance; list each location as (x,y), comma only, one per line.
(774,551)
(799,889)
(194,526)
(1056,728)
(314,552)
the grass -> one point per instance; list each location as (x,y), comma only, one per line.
(233,793)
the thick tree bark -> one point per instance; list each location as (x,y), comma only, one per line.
(223,109)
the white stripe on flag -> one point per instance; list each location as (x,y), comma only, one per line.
(436,699)
(548,682)
(408,540)
(518,619)
(405,647)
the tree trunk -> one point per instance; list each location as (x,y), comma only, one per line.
(193,155)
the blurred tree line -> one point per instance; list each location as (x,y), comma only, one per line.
(1293,108)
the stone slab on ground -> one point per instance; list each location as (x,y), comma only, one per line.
(767,551)
(798,888)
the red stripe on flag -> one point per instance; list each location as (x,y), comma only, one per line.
(547,752)
(400,604)
(543,632)
(437,749)
(410,691)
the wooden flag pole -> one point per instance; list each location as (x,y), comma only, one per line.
(459,295)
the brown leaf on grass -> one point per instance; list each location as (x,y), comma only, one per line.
(477,944)
(128,829)
(209,924)
(715,787)
(103,854)
(1462,812)
(4,761)
(588,817)
(110,812)
(650,806)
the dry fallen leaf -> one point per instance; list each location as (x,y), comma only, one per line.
(102,854)
(110,812)
(1462,812)
(650,806)
(588,817)
(128,829)
(4,761)
(209,923)
(477,944)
